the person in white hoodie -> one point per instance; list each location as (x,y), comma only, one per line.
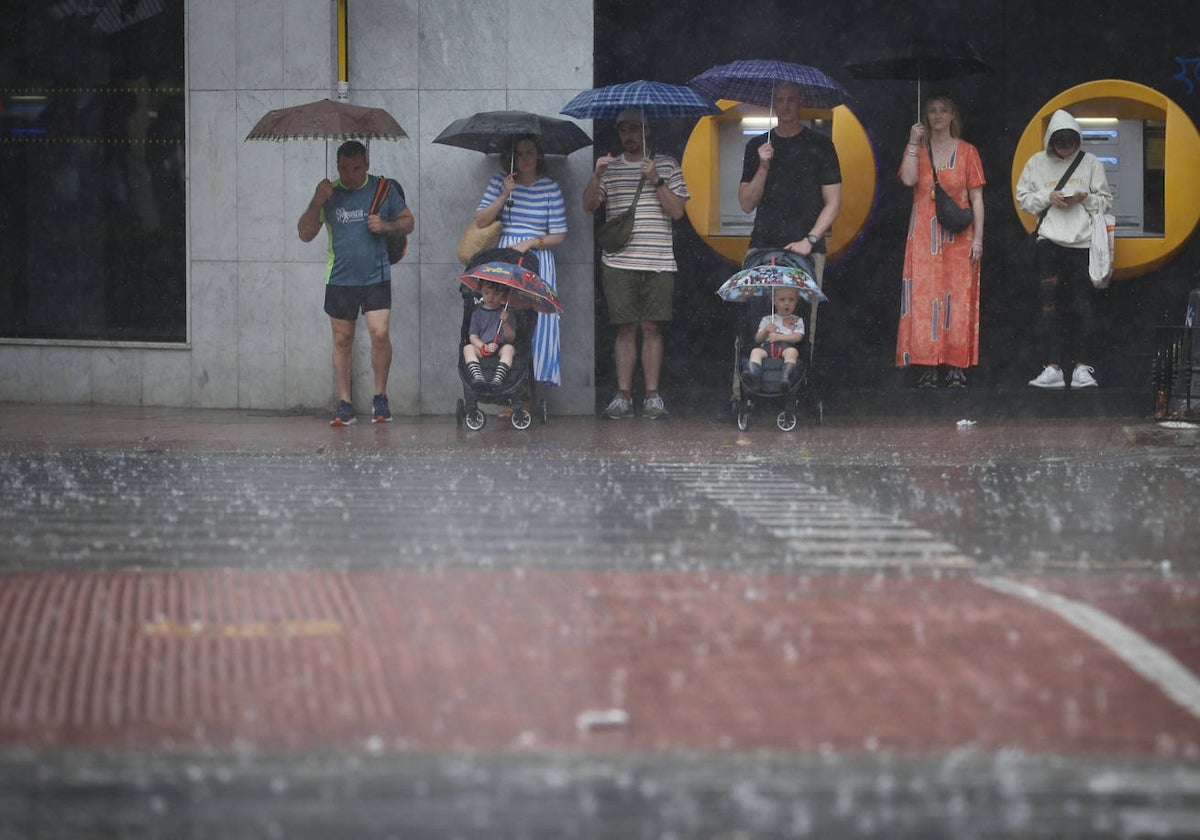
(1061,250)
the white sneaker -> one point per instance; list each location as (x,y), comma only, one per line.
(1082,377)
(654,409)
(619,408)
(1050,377)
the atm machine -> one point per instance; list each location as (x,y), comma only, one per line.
(1122,146)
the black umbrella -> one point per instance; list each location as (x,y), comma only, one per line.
(920,59)
(492,132)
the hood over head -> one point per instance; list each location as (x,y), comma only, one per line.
(1060,120)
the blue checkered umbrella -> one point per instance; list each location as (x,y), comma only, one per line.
(754,80)
(656,99)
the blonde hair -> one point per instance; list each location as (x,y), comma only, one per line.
(955,121)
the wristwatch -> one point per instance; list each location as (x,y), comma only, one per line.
(661,182)
(813,240)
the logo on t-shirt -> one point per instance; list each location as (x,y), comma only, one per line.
(344,216)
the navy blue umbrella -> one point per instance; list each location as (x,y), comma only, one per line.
(754,81)
(657,100)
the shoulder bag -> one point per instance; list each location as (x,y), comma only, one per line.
(476,239)
(397,243)
(1100,253)
(949,215)
(614,234)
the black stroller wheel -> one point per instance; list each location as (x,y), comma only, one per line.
(521,419)
(786,421)
(476,420)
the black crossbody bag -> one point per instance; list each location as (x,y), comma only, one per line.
(1062,182)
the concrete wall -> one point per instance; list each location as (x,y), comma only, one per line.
(258,336)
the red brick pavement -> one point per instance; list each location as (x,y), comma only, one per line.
(470,659)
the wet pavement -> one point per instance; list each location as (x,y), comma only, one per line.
(248,624)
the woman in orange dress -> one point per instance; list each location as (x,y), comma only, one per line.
(939,307)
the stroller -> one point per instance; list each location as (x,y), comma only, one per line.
(519,385)
(769,390)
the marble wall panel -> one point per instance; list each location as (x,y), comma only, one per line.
(166,377)
(214,318)
(310,45)
(261,330)
(65,374)
(19,367)
(211,52)
(441,327)
(308,342)
(404,384)
(116,375)
(567,24)
(212,174)
(455,36)
(262,225)
(260,44)
(386,52)
(452,179)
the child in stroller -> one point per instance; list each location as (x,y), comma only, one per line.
(495,360)
(778,336)
(776,370)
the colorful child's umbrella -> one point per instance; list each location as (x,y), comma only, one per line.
(526,289)
(762,280)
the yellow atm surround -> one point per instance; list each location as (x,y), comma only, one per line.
(1133,256)
(857,160)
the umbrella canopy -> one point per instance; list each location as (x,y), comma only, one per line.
(919,59)
(527,290)
(492,132)
(327,120)
(754,81)
(657,100)
(762,280)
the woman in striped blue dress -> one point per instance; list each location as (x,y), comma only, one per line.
(534,218)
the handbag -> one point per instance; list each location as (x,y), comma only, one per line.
(614,234)
(1100,253)
(397,243)
(949,215)
(476,239)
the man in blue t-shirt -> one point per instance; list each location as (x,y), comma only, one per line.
(359,277)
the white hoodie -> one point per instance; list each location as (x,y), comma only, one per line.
(1071,226)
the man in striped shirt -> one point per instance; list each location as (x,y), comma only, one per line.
(639,279)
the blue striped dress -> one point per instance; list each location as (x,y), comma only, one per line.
(537,210)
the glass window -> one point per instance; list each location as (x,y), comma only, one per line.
(92,166)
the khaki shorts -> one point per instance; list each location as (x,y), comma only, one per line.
(635,296)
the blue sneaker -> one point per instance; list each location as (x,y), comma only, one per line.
(379,409)
(344,416)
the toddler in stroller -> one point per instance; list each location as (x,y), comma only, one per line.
(776,369)
(495,362)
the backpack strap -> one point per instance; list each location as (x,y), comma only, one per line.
(381,190)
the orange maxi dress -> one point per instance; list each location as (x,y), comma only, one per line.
(939,303)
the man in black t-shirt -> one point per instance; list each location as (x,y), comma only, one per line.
(792,178)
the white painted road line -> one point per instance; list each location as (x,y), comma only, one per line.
(1135,650)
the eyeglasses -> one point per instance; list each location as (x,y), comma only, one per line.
(1064,142)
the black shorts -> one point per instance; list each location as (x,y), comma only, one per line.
(345,302)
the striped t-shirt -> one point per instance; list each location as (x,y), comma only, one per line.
(536,210)
(650,247)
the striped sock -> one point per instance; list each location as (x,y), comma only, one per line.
(500,374)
